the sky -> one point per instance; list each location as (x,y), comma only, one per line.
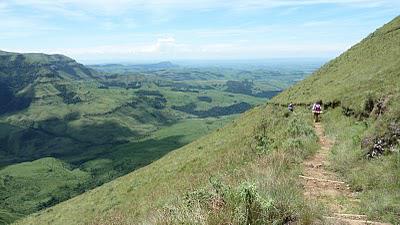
(94,31)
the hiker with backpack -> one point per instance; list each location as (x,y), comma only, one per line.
(291,107)
(317,110)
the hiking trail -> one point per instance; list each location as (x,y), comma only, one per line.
(324,186)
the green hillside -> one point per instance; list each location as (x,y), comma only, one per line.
(42,65)
(45,181)
(247,172)
(20,73)
(370,68)
(107,124)
(220,158)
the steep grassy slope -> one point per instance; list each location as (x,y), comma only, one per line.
(41,65)
(371,67)
(247,172)
(367,156)
(57,181)
(104,125)
(365,83)
(19,72)
(259,149)
(364,86)
(42,180)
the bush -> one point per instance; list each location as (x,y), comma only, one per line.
(376,179)
(299,128)
(369,104)
(270,193)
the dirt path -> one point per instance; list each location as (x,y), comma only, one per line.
(324,186)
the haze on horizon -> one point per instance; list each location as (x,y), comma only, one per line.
(95,31)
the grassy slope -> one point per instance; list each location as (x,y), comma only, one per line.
(183,166)
(43,64)
(376,180)
(41,179)
(226,153)
(156,193)
(373,65)
(58,182)
(368,73)
(86,133)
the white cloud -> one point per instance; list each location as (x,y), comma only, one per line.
(110,25)
(160,46)
(104,12)
(124,15)
(163,45)
(233,31)
(169,48)
(3,5)
(17,27)
(79,8)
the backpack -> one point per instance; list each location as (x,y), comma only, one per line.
(317,107)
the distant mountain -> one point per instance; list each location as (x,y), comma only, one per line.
(160,65)
(34,65)
(93,126)
(133,67)
(248,171)
(19,74)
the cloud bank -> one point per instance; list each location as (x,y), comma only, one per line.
(179,29)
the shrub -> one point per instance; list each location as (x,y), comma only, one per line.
(299,128)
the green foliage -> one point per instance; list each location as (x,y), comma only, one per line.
(38,184)
(263,144)
(269,196)
(369,103)
(262,187)
(177,189)
(247,206)
(8,217)
(106,125)
(299,128)
(376,179)
(371,67)
(364,80)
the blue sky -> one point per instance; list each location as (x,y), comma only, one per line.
(153,30)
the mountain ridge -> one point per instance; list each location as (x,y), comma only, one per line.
(99,128)
(382,59)
(247,172)
(134,67)
(20,72)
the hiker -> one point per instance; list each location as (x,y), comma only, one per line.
(316,109)
(291,107)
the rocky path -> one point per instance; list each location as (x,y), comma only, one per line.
(324,186)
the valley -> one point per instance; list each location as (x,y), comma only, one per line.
(164,112)
(79,127)
(261,167)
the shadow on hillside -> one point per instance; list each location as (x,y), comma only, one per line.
(11,103)
(105,164)
(127,157)
(102,163)
(214,111)
(88,131)
(55,138)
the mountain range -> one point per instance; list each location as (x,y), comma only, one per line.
(66,128)
(248,171)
